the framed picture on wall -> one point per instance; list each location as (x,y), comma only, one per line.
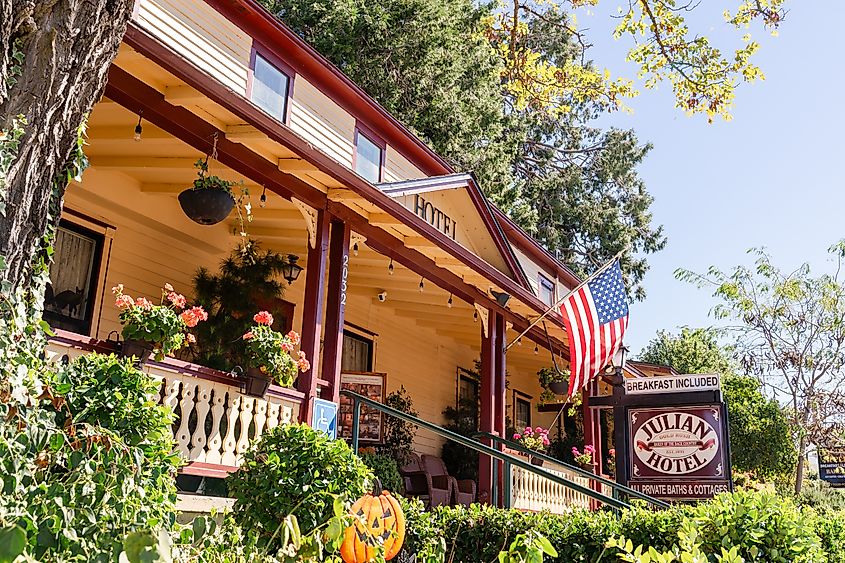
(372,386)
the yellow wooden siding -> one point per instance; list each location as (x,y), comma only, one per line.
(201,35)
(398,168)
(320,121)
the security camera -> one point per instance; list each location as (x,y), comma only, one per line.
(382,296)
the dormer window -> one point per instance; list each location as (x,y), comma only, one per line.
(270,87)
(546,290)
(369,155)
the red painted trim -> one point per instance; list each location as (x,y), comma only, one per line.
(312,313)
(203,469)
(336,297)
(263,26)
(134,94)
(532,248)
(487,398)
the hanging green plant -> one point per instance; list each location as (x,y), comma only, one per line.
(554,383)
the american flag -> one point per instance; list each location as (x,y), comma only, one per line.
(595,317)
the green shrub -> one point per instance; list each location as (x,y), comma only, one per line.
(399,434)
(294,470)
(758,526)
(821,496)
(385,469)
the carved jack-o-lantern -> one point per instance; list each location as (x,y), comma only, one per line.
(378,521)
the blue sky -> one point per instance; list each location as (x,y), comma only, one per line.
(771,177)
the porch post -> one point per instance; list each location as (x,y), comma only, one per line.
(335,306)
(488,403)
(312,314)
(500,412)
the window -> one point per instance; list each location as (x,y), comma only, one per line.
(468,395)
(521,410)
(546,290)
(369,154)
(270,87)
(357,354)
(69,299)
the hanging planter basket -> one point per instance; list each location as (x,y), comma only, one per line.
(559,387)
(256,382)
(206,206)
(141,350)
(536,461)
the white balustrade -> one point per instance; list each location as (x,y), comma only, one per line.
(214,422)
(532,492)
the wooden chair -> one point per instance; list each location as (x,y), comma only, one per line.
(463,490)
(433,490)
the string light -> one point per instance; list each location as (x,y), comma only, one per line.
(390,267)
(449,302)
(536,349)
(422,284)
(475,316)
(262,201)
(355,249)
(519,342)
(138,128)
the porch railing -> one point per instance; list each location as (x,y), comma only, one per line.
(537,492)
(214,421)
(508,460)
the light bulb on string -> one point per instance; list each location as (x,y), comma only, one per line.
(262,201)
(390,267)
(449,302)
(138,128)
(536,349)
(422,284)
(355,249)
(519,342)
(475,316)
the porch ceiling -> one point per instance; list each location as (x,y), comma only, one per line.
(164,164)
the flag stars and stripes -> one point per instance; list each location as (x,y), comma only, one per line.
(596,317)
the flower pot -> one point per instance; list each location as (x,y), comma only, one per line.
(559,387)
(536,461)
(256,382)
(591,467)
(139,349)
(206,206)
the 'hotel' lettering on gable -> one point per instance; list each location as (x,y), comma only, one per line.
(435,217)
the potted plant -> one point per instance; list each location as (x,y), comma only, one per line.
(536,439)
(211,198)
(157,330)
(553,383)
(585,459)
(271,356)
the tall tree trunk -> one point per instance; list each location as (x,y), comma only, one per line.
(66,48)
(799,471)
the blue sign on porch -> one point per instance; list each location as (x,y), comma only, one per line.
(324,417)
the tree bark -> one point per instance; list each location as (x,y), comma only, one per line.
(799,470)
(67,48)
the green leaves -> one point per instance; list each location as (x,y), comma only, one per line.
(12,543)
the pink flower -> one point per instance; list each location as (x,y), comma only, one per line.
(177,299)
(191,338)
(168,287)
(248,335)
(304,365)
(590,449)
(539,430)
(263,318)
(287,347)
(123,302)
(517,437)
(528,431)
(143,303)
(546,441)
(612,452)
(301,355)
(193,316)
(575,451)
(293,336)
(118,289)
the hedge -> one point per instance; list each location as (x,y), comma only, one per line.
(761,526)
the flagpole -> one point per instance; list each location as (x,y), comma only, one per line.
(562,299)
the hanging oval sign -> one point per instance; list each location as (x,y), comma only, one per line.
(676,443)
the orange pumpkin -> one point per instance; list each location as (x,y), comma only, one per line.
(379,521)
